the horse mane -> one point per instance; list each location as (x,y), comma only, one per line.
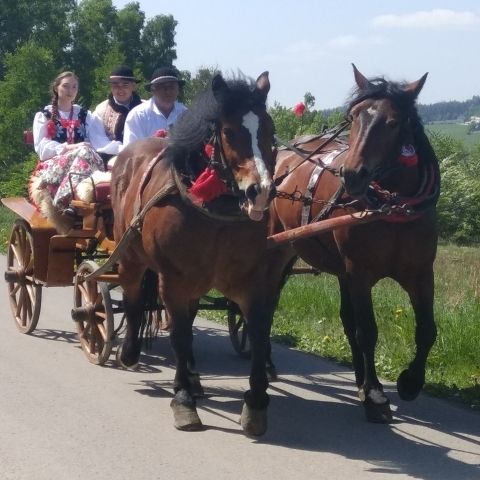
(197,125)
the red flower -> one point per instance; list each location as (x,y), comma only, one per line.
(209,150)
(51,129)
(299,109)
(162,133)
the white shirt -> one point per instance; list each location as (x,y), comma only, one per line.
(145,119)
(98,137)
(46,147)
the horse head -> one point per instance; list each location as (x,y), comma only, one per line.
(383,120)
(231,116)
(245,136)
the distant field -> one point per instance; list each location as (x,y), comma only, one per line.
(455,130)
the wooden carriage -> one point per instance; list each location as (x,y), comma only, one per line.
(39,257)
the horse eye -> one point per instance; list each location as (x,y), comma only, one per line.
(392,123)
(228,133)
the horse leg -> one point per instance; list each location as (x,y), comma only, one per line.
(133,306)
(194,376)
(421,292)
(347,315)
(254,412)
(183,403)
(375,402)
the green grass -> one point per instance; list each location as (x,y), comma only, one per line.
(456,130)
(308,319)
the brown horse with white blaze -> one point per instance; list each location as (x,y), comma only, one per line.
(386,165)
(193,248)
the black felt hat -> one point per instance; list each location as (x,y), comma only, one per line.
(122,72)
(164,75)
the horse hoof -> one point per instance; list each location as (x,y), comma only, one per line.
(408,387)
(253,421)
(378,412)
(124,360)
(185,417)
(195,386)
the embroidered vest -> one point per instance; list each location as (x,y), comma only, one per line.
(64,128)
(114,115)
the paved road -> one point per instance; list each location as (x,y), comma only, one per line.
(63,418)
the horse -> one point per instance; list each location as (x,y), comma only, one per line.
(384,165)
(205,192)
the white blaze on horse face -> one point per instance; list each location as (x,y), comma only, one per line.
(255,211)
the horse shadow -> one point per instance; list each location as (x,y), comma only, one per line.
(315,408)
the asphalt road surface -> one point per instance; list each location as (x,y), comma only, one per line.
(63,418)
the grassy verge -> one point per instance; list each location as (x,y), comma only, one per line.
(307,319)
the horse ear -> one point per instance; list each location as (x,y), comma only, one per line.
(360,80)
(415,88)
(219,85)
(263,85)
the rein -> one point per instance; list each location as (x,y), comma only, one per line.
(305,158)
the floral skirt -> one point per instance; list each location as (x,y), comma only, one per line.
(61,174)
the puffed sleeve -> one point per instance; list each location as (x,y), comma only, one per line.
(97,136)
(44,147)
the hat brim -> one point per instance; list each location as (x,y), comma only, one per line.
(148,86)
(124,79)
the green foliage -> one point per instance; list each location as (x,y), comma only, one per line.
(158,43)
(14,181)
(289,126)
(23,91)
(197,83)
(458,205)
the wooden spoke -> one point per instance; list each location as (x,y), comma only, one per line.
(95,329)
(25,293)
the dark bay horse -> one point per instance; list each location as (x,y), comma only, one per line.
(193,249)
(386,164)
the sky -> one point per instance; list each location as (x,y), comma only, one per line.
(309,45)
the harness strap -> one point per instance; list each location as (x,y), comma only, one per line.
(312,185)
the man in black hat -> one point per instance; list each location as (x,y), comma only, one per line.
(108,119)
(161,111)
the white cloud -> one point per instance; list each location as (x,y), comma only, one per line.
(437,18)
(347,41)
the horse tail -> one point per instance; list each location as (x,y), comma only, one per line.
(152,311)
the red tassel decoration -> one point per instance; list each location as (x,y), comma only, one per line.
(408,156)
(207,186)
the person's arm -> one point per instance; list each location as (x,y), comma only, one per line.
(97,136)
(45,147)
(132,130)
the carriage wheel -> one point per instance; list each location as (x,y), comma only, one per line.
(25,294)
(237,327)
(93,315)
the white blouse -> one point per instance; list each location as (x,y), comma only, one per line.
(46,147)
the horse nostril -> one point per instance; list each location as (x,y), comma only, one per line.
(251,192)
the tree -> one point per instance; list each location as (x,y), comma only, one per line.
(92,40)
(23,92)
(158,44)
(198,83)
(126,33)
(43,21)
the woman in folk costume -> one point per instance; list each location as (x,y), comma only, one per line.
(106,132)
(66,157)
